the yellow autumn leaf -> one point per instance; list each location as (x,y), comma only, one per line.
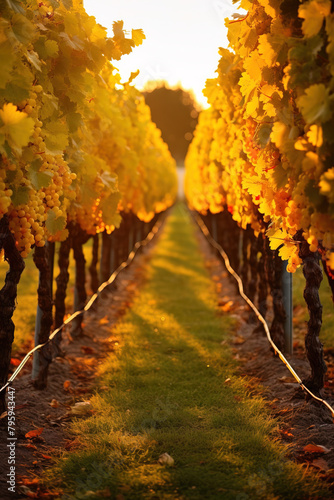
(246,84)
(310,162)
(253,185)
(286,251)
(10,115)
(270,109)
(267,51)
(254,65)
(279,133)
(315,136)
(315,104)
(276,239)
(252,106)
(313,13)
(330,261)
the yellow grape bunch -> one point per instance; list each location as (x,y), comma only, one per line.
(53,99)
(271,139)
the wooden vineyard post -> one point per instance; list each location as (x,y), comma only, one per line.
(314,349)
(8,295)
(253,265)
(245,262)
(79,237)
(105,257)
(44,319)
(62,281)
(262,274)
(287,303)
(94,279)
(275,267)
(131,232)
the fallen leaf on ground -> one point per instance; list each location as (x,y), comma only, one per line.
(166,459)
(87,350)
(81,408)
(34,433)
(15,362)
(29,445)
(27,481)
(315,448)
(72,444)
(54,403)
(67,385)
(239,340)
(320,463)
(228,306)
(104,321)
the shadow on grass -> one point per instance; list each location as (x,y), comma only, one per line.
(173,389)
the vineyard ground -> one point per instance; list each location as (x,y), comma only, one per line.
(73,379)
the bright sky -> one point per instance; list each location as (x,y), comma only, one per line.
(182,38)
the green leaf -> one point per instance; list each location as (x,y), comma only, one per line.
(15,5)
(39,179)
(315,104)
(20,195)
(7,60)
(54,224)
(52,48)
(50,105)
(280,176)
(74,120)
(56,139)
(46,48)
(34,60)
(110,181)
(22,28)
(109,207)
(19,86)
(263,135)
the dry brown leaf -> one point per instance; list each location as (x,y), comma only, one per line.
(320,463)
(54,403)
(29,445)
(67,385)
(239,340)
(228,306)
(315,448)
(104,321)
(34,433)
(81,408)
(87,350)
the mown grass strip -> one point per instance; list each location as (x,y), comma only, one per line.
(167,394)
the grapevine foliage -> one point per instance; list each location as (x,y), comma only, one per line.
(76,144)
(264,149)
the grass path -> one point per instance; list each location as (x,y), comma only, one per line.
(167,393)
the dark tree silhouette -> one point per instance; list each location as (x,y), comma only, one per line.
(175,113)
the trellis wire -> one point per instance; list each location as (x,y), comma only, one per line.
(222,252)
(91,301)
